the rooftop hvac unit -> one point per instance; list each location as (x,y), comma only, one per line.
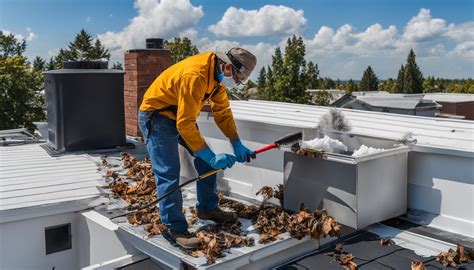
(357,191)
(85,106)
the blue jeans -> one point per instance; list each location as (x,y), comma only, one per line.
(162,147)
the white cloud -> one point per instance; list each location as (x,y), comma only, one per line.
(347,40)
(268,20)
(461,32)
(465,49)
(442,49)
(423,27)
(164,19)
(29,36)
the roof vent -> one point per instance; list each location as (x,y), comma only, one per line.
(86,64)
(154,43)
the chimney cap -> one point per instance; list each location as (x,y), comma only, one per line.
(154,43)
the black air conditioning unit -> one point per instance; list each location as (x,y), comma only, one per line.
(85,106)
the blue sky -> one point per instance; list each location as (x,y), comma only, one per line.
(343,37)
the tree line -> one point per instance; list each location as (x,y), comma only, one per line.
(289,76)
(286,79)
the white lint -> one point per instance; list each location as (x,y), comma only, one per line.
(327,144)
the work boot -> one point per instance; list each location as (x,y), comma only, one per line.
(185,240)
(218,216)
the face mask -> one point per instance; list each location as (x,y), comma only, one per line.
(228,82)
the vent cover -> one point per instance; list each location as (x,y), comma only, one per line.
(58,238)
(86,64)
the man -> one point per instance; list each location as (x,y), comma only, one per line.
(168,115)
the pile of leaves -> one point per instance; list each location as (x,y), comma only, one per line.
(137,188)
(452,258)
(217,238)
(271,221)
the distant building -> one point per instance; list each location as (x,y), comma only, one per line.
(335,94)
(461,105)
(380,101)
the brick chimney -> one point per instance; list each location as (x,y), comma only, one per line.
(142,66)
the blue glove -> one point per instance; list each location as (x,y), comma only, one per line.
(219,161)
(241,152)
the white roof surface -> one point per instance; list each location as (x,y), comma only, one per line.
(431,132)
(392,102)
(33,183)
(450,97)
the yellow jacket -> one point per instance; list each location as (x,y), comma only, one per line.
(189,85)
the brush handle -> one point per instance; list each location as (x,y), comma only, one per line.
(266,148)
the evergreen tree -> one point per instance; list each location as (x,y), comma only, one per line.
(369,81)
(277,86)
(262,77)
(413,78)
(39,64)
(269,86)
(327,83)
(312,73)
(400,80)
(82,48)
(180,48)
(293,84)
(99,51)
(50,65)
(351,87)
(9,46)
(289,75)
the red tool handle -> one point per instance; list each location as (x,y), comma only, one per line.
(266,148)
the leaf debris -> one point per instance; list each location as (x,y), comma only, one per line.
(137,187)
(319,154)
(452,257)
(417,265)
(387,241)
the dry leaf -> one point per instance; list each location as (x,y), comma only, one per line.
(346,261)
(278,194)
(417,265)
(386,241)
(266,192)
(462,255)
(447,258)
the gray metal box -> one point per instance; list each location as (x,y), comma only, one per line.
(85,109)
(357,191)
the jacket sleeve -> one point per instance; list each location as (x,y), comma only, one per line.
(222,113)
(190,95)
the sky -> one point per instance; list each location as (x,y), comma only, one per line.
(342,36)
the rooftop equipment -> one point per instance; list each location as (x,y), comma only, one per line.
(357,191)
(85,106)
(154,43)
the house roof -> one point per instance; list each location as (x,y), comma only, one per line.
(33,183)
(407,103)
(450,97)
(431,132)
